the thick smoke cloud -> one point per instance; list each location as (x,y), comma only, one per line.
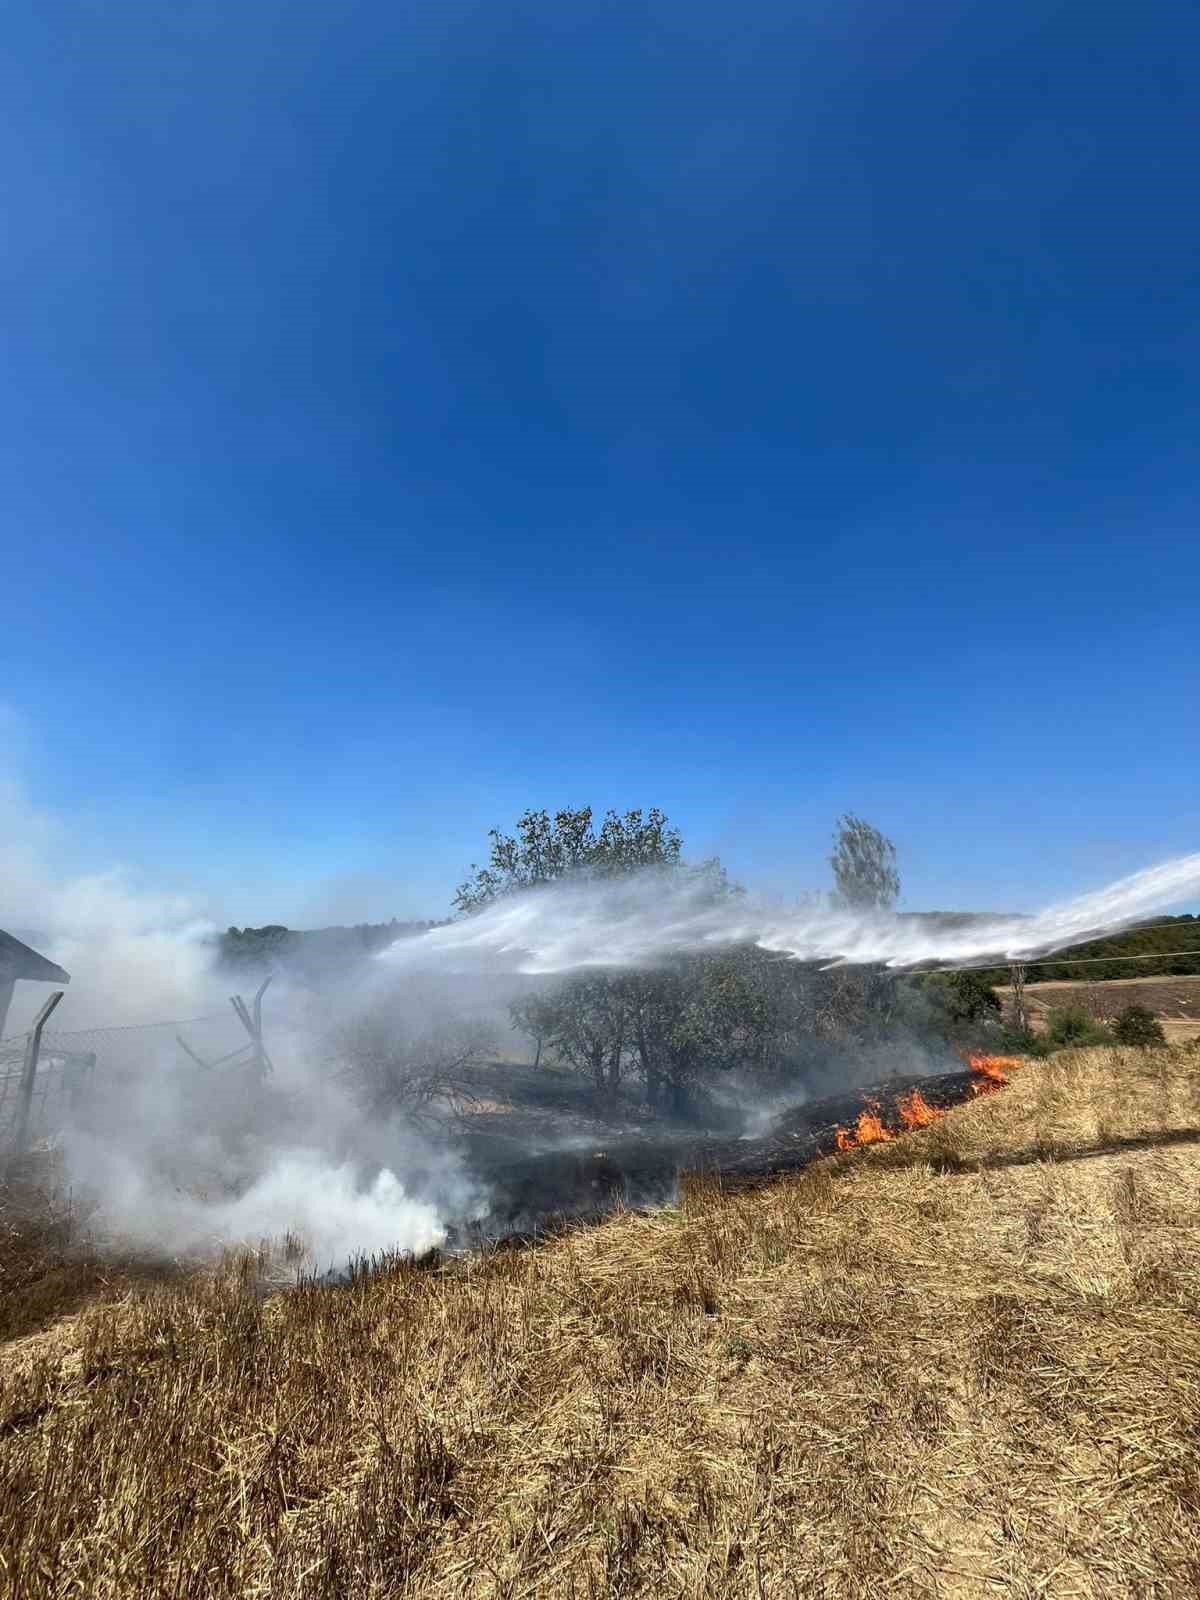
(175,1165)
(134,954)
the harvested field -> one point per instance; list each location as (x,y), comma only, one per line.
(963,1363)
(1174,1001)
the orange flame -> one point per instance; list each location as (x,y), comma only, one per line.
(869,1129)
(915,1111)
(991,1072)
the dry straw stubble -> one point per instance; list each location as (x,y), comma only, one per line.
(966,1363)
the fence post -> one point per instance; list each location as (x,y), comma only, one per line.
(262,1064)
(33,1049)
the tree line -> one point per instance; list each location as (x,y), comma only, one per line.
(310,950)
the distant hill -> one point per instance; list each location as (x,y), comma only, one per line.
(1156,946)
(959,919)
(310,953)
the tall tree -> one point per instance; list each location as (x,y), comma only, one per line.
(864,866)
(546,850)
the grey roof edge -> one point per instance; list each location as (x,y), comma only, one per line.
(17,960)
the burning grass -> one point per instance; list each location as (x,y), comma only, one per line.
(912,1111)
(964,1362)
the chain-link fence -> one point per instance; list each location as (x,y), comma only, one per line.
(37,1095)
(60,1076)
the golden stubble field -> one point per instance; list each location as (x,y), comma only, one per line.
(966,1363)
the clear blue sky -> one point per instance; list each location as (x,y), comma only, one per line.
(414,412)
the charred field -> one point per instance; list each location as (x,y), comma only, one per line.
(586,1178)
(964,1361)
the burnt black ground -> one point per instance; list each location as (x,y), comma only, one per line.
(635,1168)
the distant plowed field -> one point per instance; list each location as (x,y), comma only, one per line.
(1174,1001)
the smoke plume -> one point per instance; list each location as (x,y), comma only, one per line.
(174,1161)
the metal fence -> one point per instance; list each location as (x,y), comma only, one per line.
(44,1073)
(33,1106)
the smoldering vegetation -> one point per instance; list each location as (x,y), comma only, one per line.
(397,1114)
(403,1107)
(598,996)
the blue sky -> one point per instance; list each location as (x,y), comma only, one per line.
(413,413)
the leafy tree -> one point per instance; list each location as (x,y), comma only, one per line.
(864,866)
(667,1025)
(963,996)
(1137,1025)
(584,1020)
(698,1015)
(546,850)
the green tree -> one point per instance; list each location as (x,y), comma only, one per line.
(667,1025)
(698,1015)
(585,1021)
(546,850)
(963,996)
(864,866)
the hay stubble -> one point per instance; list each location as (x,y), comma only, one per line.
(967,1363)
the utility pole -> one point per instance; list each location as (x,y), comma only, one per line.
(1020,1012)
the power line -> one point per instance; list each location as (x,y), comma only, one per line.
(1099,961)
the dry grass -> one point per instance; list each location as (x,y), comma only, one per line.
(967,1363)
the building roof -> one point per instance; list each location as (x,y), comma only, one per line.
(17,960)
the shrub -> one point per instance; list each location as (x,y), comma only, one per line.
(1139,1026)
(1072,1027)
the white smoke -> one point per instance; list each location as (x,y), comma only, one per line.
(134,954)
(637,922)
(327,1206)
(174,1166)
